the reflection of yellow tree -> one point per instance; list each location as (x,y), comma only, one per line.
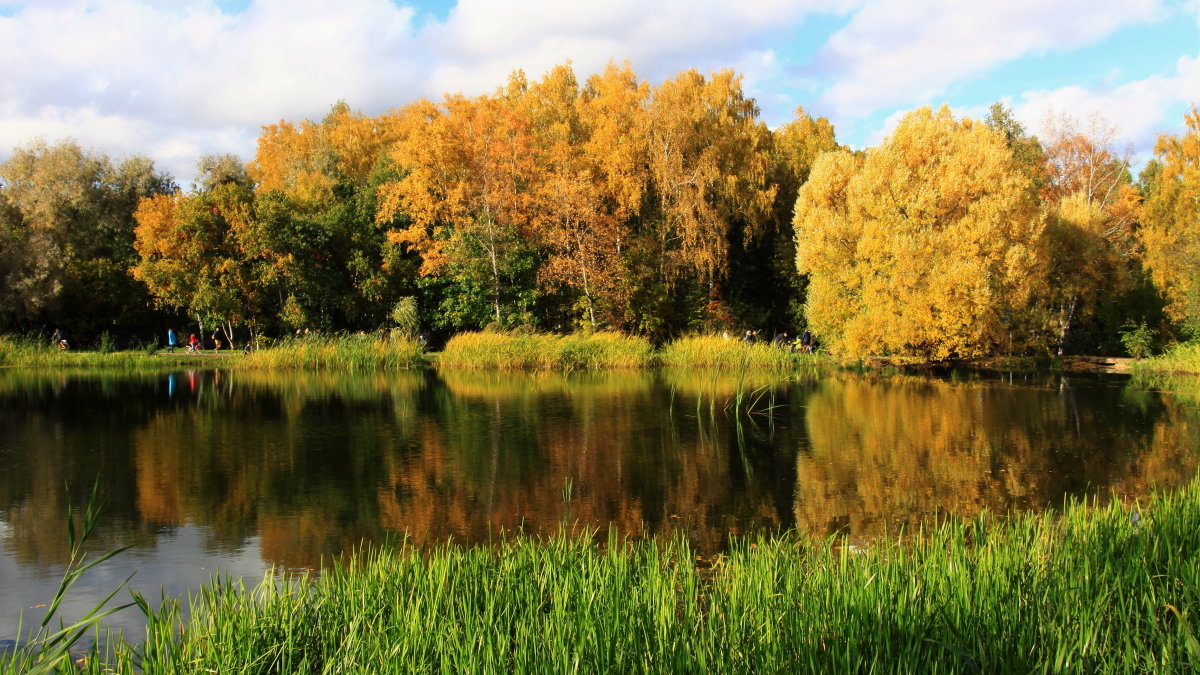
(898,452)
(508,445)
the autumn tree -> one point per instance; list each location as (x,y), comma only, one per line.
(708,162)
(769,259)
(925,246)
(66,218)
(318,248)
(612,108)
(468,165)
(583,197)
(187,245)
(1092,204)
(1170,229)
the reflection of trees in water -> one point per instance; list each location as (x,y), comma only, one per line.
(502,448)
(58,433)
(313,464)
(896,452)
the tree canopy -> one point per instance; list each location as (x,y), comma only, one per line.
(613,203)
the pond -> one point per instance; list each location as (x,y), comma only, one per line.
(246,472)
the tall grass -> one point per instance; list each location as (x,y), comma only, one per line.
(336,351)
(48,649)
(545,351)
(715,351)
(1183,357)
(1106,590)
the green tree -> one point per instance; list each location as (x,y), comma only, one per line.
(188,252)
(66,215)
(316,246)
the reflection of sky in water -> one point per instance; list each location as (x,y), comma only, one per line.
(176,564)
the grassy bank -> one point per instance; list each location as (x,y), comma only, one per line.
(1113,589)
(336,352)
(1179,358)
(314,352)
(545,351)
(16,351)
(715,351)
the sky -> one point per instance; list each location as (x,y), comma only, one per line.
(176,79)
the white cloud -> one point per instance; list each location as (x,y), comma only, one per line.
(180,79)
(896,51)
(174,75)
(169,79)
(483,40)
(1141,109)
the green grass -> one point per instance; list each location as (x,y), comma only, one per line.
(715,351)
(336,352)
(31,352)
(545,351)
(1179,358)
(1113,589)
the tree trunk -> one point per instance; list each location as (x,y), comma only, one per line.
(1064,324)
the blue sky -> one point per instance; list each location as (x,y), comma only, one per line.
(174,80)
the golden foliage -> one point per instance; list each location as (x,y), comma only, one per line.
(925,246)
(305,161)
(708,164)
(1170,231)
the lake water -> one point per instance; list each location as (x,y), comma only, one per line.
(207,470)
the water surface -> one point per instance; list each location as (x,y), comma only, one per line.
(242,472)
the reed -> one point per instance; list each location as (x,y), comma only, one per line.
(337,351)
(1088,589)
(545,351)
(1182,357)
(715,351)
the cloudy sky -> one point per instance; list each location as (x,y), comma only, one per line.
(175,79)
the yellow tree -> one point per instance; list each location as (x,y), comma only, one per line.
(588,183)
(926,246)
(708,162)
(470,165)
(188,257)
(1170,231)
(1084,268)
(612,110)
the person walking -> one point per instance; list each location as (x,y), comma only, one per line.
(806,341)
(172,342)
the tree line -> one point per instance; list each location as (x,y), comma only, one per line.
(610,203)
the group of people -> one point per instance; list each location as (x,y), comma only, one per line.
(803,344)
(193,343)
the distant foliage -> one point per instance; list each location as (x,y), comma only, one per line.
(609,203)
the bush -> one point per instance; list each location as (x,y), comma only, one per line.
(1136,339)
